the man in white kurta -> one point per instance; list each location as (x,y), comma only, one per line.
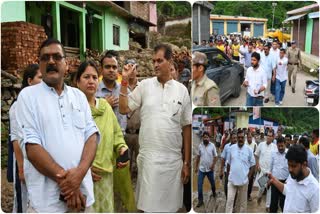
(165,109)
(263,162)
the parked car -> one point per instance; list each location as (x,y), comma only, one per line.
(225,72)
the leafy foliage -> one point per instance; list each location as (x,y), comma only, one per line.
(258,9)
(298,120)
(170,9)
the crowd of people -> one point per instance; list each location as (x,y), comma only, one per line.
(72,145)
(285,168)
(268,66)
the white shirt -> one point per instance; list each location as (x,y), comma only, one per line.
(206,153)
(268,64)
(61,124)
(284,45)
(253,145)
(256,79)
(281,69)
(279,165)
(302,196)
(164,110)
(240,161)
(275,53)
(15,130)
(264,152)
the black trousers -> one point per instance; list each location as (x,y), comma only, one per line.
(187,195)
(251,181)
(226,184)
(277,198)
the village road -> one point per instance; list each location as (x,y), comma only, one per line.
(290,99)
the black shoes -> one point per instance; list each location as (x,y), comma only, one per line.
(200,203)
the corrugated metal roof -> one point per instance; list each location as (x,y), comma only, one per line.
(303,9)
(294,17)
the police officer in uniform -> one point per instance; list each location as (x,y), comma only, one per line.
(294,62)
(205,91)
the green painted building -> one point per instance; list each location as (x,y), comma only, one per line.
(304,23)
(79,25)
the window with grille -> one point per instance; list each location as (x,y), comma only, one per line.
(116,35)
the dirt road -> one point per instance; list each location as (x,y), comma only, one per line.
(217,204)
(290,99)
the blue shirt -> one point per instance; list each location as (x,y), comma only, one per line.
(61,124)
(313,164)
(224,154)
(279,165)
(103,91)
(240,161)
(247,58)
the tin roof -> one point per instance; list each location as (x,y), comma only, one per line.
(303,9)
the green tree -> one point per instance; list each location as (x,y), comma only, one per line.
(258,9)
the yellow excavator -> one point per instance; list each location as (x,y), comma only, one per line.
(279,35)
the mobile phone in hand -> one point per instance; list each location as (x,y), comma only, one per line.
(61,198)
(124,157)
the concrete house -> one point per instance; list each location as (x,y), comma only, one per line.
(224,25)
(305,31)
(97,25)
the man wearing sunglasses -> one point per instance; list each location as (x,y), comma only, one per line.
(60,138)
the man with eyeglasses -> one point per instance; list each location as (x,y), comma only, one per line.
(205,91)
(109,88)
(60,138)
(165,131)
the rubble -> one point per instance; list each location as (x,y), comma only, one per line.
(10,86)
(142,56)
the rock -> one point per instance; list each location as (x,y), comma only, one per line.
(5,108)
(4,117)
(17,85)
(6,95)
(10,102)
(6,83)
(3,103)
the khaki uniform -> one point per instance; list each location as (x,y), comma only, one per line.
(294,60)
(205,92)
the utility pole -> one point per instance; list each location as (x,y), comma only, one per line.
(274,4)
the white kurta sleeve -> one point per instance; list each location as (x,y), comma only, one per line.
(186,116)
(135,97)
(15,130)
(27,120)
